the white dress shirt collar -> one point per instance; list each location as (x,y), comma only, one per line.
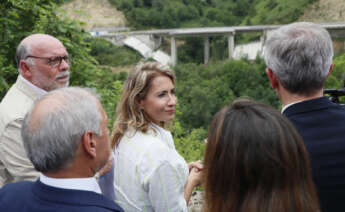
(85,184)
(288,105)
(38,90)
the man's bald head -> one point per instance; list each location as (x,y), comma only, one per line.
(33,43)
(38,38)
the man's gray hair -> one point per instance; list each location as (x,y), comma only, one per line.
(52,143)
(23,50)
(300,55)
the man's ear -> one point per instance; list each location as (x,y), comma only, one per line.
(330,70)
(25,70)
(274,81)
(89,143)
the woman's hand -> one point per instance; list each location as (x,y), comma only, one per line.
(196,164)
(194,178)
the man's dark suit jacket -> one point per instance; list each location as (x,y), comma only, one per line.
(321,124)
(38,197)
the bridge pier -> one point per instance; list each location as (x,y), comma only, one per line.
(231,45)
(206,50)
(157,40)
(263,38)
(173,51)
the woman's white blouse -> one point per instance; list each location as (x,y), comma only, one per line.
(149,173)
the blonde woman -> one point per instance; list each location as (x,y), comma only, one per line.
(149,173)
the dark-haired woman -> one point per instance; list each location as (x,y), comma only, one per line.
(255,161)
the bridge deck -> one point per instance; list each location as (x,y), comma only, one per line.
(216,30)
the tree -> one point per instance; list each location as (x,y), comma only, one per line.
(206,89)
(17,20)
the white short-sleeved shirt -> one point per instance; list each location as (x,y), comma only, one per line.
(149,173)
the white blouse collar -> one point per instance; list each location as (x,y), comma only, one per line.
(163,134)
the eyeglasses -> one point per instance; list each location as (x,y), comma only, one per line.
(53,61)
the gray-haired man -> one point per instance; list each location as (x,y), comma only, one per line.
(299,59)
(66,138)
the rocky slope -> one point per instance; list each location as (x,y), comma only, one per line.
(325,11)
(94,13)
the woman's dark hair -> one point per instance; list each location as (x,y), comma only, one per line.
(255,161)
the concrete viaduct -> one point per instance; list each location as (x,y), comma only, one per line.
(337,30)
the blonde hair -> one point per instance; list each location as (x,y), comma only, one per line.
(135,89)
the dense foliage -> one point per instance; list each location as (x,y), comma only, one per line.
(190,13)
(203,90)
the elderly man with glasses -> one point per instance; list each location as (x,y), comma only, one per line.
(43,65)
